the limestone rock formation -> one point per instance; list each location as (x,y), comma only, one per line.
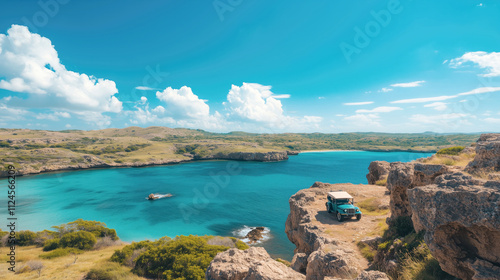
(255,234)
(251,264)
(378,170)
(487,154)
(406,176)
(308,226)
(461,219)
(248,156)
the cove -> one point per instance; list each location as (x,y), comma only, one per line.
(255,194)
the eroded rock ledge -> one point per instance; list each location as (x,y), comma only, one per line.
(317,254)
(461,219)
(251,264)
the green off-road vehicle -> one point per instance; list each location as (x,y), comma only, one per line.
(342,204)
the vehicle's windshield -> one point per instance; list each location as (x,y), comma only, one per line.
(342,201)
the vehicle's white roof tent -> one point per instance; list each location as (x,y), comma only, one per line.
(339,195)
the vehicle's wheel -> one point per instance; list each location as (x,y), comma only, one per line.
(358,217)
(339,217)
(328,208)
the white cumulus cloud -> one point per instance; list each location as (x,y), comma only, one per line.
(183,103)
(488,61)
(254,102)
(29,63)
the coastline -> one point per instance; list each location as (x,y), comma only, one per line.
(328,151)
(65,168)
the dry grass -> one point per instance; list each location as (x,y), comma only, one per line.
(460,160)
(59,268)
(371,207)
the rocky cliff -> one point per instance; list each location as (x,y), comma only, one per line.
(406,176)
(459,214)
(378,170)
(251,264)
(244,156)
(487,157)
(461,219)
(324,247)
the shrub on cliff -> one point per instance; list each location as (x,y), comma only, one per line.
(452,151)
(82,240)
(185,257)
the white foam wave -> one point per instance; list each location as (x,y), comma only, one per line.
(243,231)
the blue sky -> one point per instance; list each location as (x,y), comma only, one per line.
(259,66)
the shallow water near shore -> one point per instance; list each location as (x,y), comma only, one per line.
(210,197)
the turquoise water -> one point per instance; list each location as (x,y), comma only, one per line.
(210,197)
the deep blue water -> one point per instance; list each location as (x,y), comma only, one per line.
(243,193)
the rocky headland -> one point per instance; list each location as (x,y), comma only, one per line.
(92,161)
(456,208)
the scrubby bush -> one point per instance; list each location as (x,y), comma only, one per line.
(126,255)
(186,257)
(25,238)
(32,265)
(98,229)
(60,252)
(452,151)
(105,242)
(82,240)
(51,244)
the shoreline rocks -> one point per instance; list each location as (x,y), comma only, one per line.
(255,235)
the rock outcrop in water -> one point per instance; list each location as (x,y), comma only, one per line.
(378,170)
(461,219)
(251,264)
(487,157)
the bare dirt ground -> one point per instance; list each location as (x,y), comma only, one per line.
(374,203)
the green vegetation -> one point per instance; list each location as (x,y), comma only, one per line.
(38,148)
(25,238)
(285,262)
(184,257)
(98,229)
(381,182)
(367,251)
(420,265)
(452,151)
(401,243)
(51,244)
(82,240)
(60,252)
